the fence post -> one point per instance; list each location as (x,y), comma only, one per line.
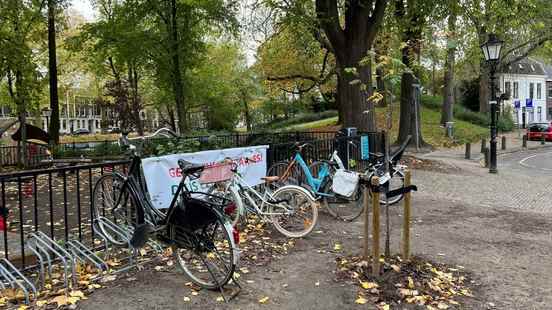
(375,226)
(487,157)
(468,151)
(503,142)
(543,139)
(524,141)
(366,222)
(483,145)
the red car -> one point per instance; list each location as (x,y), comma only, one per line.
(537,130)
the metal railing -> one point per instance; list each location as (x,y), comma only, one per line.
(57,201)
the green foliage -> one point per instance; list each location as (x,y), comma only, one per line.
(505,121)
(302,118)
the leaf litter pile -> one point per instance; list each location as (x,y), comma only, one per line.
(413,284)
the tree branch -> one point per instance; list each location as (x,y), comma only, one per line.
(328,17)
(375,20)
(531,46)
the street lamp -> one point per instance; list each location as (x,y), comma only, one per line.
(47,112)
(491,50)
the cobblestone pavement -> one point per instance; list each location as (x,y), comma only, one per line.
(516,186)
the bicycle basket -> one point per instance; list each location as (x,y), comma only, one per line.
(344,182)
(217,173)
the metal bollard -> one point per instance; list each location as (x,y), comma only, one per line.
(543,139)
(483,145)
(524,141)
(468,151)
(503,142)
(487,157)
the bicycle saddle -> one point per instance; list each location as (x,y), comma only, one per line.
(188,167)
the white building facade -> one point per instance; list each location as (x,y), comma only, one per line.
(525,82)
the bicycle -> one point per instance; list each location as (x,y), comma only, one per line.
(319,182)
(396,170)
(204,243)
(290,209)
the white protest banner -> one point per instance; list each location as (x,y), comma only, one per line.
(163,173)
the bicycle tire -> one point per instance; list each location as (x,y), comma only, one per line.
(231,195)
(104,195)
(298,199)
(346,209)
(277,169)
(399,182)
(197,270)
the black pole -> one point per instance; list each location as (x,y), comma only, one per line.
(494,103)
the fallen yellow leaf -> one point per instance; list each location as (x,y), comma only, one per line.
(396,268)
(368,285)
(410,282)
(361,300)
(79,294)
(40,303)
(186,299)
(263,300)
(220,299)
(337,247)
(442,306)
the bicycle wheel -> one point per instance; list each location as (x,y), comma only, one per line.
(295,176)
(396,182)
(239,211)
(296,213)
(344,208)
(210,255)
(105,195)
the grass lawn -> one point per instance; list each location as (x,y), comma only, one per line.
(432,131)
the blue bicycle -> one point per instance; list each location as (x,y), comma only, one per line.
(319,182)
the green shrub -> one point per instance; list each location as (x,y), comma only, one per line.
(302,118)
(505,121)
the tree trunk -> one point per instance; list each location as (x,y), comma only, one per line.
(52,69)
(483,88)
(246,113)
(410,114)
(135,100)
(354,90)
(448,90)
(20,100)
(380,84)
(178,86)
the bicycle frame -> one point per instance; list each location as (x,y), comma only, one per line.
(239,185)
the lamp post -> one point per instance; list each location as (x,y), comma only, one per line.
(491,50)
(46,112)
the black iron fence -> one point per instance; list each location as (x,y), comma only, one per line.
(35,153)
(57,201)
(54,201)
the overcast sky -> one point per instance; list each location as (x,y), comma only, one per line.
(85,8)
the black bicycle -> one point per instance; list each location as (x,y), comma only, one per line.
(203,241)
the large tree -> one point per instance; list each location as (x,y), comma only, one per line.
(53,73)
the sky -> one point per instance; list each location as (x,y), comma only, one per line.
(85,8)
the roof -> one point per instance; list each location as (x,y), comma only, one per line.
(548,72)
(525,66)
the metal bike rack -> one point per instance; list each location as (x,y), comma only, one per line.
(11,276)
(86,255)
(41,244)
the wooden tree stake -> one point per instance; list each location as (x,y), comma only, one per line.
(375,228)
(406,218)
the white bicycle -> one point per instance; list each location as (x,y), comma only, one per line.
(291,209)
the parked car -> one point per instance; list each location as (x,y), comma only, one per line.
(81,131)
(538,130)
(114,130)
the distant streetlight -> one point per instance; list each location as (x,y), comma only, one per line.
(491,50)
(47,112)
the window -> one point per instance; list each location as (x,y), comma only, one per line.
(516,90)
(539,111)
(550,113)
(507,88)
(531,116)
(539,94)
(531,90)
(550,90)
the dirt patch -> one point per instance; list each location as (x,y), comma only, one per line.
(429,164)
